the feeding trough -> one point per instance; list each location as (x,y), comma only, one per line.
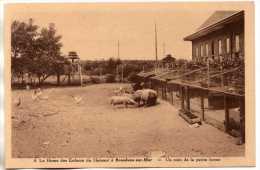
(189,117)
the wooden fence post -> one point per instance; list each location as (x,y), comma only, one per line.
(226,107)
(187,99)
(69,79)
(242,119)
(182,97)
(162,90)
(165,91)
(202,107)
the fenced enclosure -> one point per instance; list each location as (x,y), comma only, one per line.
(214,95)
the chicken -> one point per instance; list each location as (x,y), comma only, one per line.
(36,94)
(77,99)
(18,102)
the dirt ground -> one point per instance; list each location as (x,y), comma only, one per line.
(59,127)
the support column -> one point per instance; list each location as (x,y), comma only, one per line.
(162,90)
(171,96)
(242,120)
(69,79)
(226,107)
(187,99)
(165,91)
(182,97)
(157,89)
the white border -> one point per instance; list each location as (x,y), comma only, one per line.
(1,88)
(257,64)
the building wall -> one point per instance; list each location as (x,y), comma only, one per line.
(229,31)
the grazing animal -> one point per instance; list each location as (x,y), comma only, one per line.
(131,96)
(125,100)
(147,96)
(137,86)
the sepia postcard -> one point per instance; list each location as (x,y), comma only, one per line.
(129,84)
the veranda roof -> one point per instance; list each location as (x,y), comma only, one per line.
(215,22)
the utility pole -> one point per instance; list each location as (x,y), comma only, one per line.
(117,73)
(118,56)
(122,78)
(163,49)
(80,74)
(118,49)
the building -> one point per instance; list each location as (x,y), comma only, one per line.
(168,61)
(220,37)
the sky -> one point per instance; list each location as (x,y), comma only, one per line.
(93,31)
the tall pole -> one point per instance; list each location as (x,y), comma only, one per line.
(156,52)
(163,49)
(165,65)
(80,73)
(117,73)
(118,49)
(118,56)
(122,73)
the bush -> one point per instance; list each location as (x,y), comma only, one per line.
(132,77)
(110,78)
(95,79)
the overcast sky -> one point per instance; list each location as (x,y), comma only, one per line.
(93,30)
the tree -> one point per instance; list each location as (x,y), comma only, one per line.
(35,53)
(48,56)
(168,59)
(111,66)
(23,36)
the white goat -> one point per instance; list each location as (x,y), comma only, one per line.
(116,100)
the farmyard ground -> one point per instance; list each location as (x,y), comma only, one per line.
(59,127)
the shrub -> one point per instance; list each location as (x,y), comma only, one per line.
(132,77)
(94,79)
(110,78)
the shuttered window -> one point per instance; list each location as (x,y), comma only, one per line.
(201,51)
(219,47)
(207,50)
(228,45)
(237,43)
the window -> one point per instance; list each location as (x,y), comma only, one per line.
(207,50)
(228,45)
(219,47)
(201,51)
(237,43)
(197,52)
